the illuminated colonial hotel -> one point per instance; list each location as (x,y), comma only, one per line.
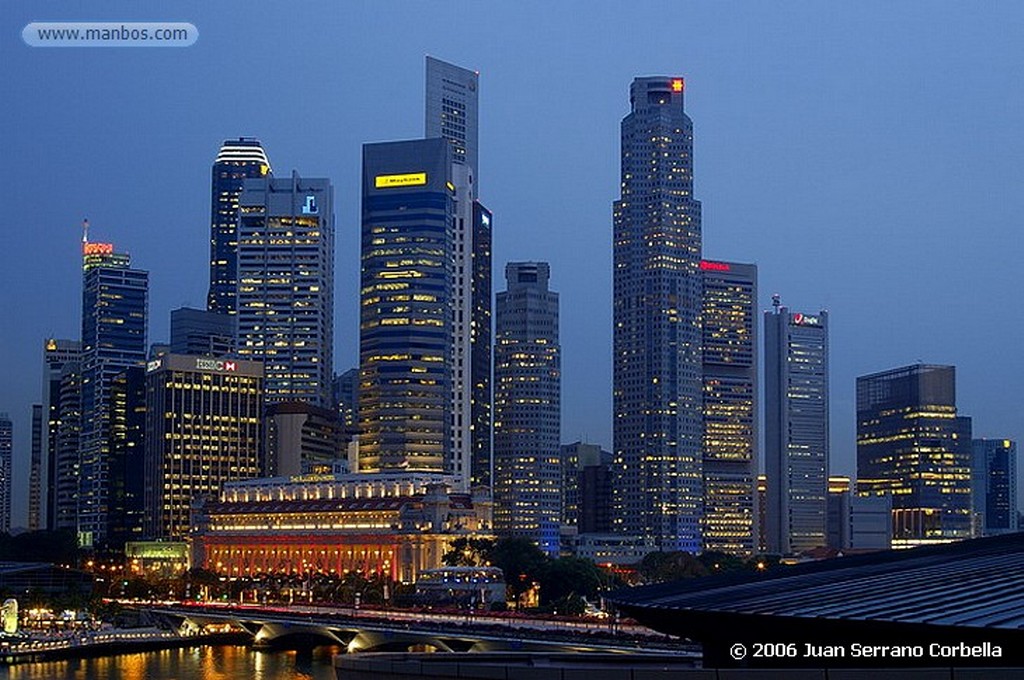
(730,406)
(397,524)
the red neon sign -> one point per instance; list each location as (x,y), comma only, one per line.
(97,248)
(709,266)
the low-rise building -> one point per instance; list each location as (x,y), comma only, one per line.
(397,524)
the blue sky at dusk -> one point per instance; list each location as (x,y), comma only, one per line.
(866,156)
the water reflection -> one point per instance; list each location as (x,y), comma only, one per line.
(196,663)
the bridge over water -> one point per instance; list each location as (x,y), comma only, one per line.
(402,631)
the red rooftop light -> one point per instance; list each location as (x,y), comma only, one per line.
(677,85)
(97,248)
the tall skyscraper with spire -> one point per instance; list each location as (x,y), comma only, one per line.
(238,160)
(115,299)
(657,401)
(796,441)
(451,113)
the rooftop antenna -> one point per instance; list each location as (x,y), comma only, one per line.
(776,301)
(85,231)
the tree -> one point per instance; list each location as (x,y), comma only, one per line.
(469,552)
(522,562)
(568,576)
(660,567)
(720,563)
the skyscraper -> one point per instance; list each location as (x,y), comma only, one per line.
(238,160)
(286,285)
(658,426)
(56,355)
(114,311)
(405,329)
(6,454)
(796,429)
(730,406)
(66,444)
(197,331)
(586,488)
(203,428)
(451,113)
(527,408)
(994,485)
(912,445)
(481,396)
(345,398)
(127,456)
(36,506)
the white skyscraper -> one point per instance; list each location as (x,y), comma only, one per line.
(451,113)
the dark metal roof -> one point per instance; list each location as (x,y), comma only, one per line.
(975,583)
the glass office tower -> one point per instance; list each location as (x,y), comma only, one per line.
(527,408)
(406,317)
(657,387)
(286,285)
(114,311)
(912,445)
(730,406)
(238,160)
(796,429)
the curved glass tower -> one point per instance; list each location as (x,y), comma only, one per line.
(238,160)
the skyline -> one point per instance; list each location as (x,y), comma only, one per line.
(827,137)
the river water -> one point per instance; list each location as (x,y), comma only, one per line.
(196,663)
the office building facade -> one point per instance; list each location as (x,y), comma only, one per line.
(114,313)
(346,399)
(238,160)
(406,326)
(57,353)
(913,446)
(481,346)
(285,309)
(527,408)
(994,486)
(302,439)
(36,506)
(796,429)
(199,332)
(203,428)
(452,104)
(657,387)
(6,458)
(127,456)
(729,345)
(66,433)
(586,488)
(452,96)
